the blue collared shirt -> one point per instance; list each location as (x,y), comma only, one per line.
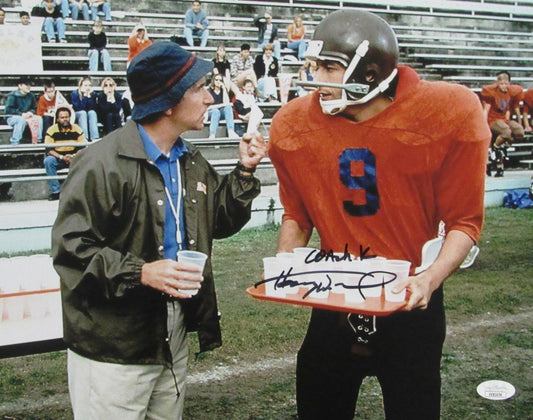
(168,166)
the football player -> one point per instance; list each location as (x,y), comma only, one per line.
(374,159)
(501,100)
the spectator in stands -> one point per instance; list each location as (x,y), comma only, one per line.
(220,108)
(115,240)
(268,33)
(53,24)
(527,99)
(97,48)
(196,25)
(247,108)
(21,108)
(112,108)
(2,16)
(137,41)
(24,18)
(76,6)
(83,101)
(61,157)
(306,74)
(98,6)
(48,103)
(222,65)
(242,67)
(266,69)
(295,37)
(500,100)
(64,7)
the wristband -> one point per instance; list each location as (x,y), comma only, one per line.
(243,168)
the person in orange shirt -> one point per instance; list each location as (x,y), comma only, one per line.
(373,160)
(295,36)
(138,41)
(499,100)
(527,99)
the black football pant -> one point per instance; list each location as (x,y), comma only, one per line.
(405,357)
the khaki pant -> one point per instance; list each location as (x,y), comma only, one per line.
(131,392)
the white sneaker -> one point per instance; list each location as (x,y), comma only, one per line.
(232,134)
(212,137)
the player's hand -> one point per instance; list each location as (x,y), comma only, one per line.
(252,149)
(418,291)
(168,275)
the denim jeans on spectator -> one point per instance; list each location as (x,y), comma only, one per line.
(267,86)
(95,55)
(51,165)
(106,8)
(51,26)
(75,10)
(19,124)
(215,115)
(299,47)
(88,121)
(203,34)
(64,8)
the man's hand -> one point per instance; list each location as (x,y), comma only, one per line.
(252,149)
(68,158)
(418,290)
(168,275)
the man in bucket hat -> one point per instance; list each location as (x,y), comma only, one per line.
(131,201)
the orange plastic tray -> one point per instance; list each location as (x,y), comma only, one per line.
(377,306)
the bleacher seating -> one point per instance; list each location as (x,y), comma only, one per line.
(458,41)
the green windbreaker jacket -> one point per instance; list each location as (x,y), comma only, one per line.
(110,222)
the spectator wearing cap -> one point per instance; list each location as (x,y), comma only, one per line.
(267,33)
(137,41)
(196,25)
(131,201)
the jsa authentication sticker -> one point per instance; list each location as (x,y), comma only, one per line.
(496,390)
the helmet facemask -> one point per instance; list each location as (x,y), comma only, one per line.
(365,45)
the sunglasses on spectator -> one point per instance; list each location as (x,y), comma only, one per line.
(109,85)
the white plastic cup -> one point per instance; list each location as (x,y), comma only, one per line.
(401,269)
(196,258)
(273,268)
(371,283)
(289,263)
(318,278)
(352,292)
(300,264)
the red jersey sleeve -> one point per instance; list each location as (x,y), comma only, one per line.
(281,145)
(461,183)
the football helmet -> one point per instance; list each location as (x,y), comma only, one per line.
(365,45)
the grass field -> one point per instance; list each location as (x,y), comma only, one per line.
(490,336)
